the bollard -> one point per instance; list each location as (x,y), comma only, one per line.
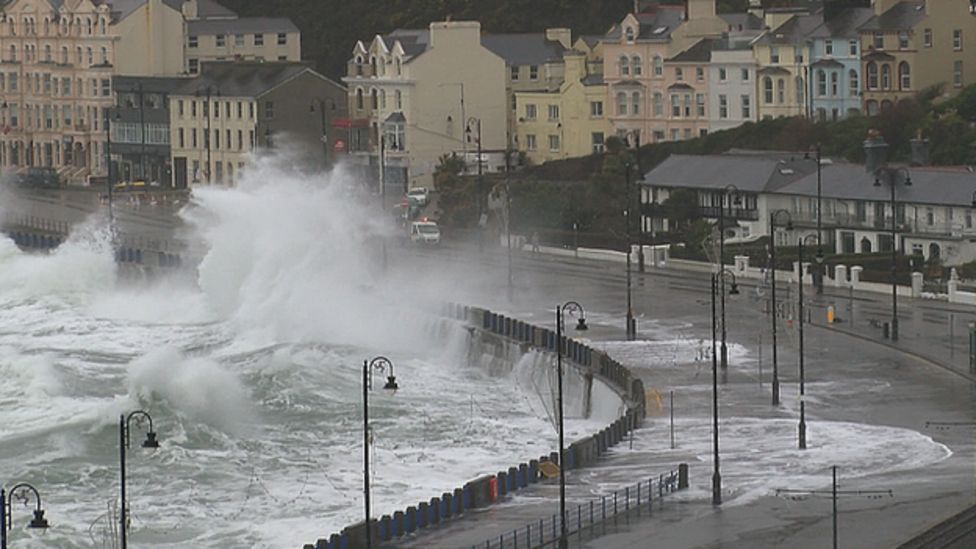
(410,520)
(830,314)
(513,483)
(447,504)
(682,476)
(884,330)
(383,527)
(457,501)
(502,482)
(423,513)
(554,457)
(435,510)
(398,529)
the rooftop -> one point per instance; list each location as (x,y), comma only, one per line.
(240,79)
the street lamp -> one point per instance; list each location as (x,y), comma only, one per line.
(772,274)
(150,442)
(716,476)
(475,122)
(733,290)
(818,275)
(803,422)
(508,227)
(324,137)
(379,364)
(875,151)
(571,308)
(631,328)
(22,492)
(729,191)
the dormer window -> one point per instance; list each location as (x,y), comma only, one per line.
(629,33)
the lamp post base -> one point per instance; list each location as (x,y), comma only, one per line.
(803,435)
(894,329)
(716,488)
(775,390)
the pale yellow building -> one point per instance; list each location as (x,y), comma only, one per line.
(245,38)
(429,93)
(565,123)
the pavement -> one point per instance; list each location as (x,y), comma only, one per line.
(870,403)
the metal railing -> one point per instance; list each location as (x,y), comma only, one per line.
(587,518)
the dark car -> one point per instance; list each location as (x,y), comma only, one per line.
(39,178)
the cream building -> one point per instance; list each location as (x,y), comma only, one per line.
(57,61)
(429,93)
(232,111)
(245,38)
(564,123)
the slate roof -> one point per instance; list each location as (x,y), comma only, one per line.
(747,21)
(243,25)
(413,41)
(654,25)
(524,49)
(121,9)
(208,8)
(902,16)
(844,24)
(241,79)
(150,84)
(699,52)
(795,29)
(791,174)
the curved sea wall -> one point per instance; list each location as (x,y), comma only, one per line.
(594,386)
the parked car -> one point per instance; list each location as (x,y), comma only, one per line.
(425,232)
(39,178)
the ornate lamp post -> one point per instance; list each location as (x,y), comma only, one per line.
(379,364)
(733,290)
(803,422)
(772,273)
(571,308)
(22,492)
(150,442)
(875,150)
(730,191)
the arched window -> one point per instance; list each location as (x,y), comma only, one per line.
(621,104)
(904,76)
(834,83)
(399,67)
(91,57)
(886,105)
(767,90)
(635,65)
(47,26)
(47,53)
(399,100)
(383,98)
(658,66)
(821,83)
(359,65)
(64,55)
(780,91)
(635,99)
(623,66)
(886,76)
(102,25)
(374,99)
(800,89)
(872,107)
(372,64)
(13,52)
(89,25)
(78,55)
(872,75)
(104,56)
(629,33)
(658,104)
(359,98)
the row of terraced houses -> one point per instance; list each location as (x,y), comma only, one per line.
(663,73)
(185,91)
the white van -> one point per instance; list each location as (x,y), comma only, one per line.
(425,232)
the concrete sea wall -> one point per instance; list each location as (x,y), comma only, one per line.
(594,386)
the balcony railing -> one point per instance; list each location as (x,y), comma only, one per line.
(730,213)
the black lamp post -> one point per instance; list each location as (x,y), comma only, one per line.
(474,122)
(23,492)
(150,442)
(379,364)
(733,290)
(772,275)
(803,421)
(875,150)
(324,137)
(631,329)
(818,276)
(730,191)
(572,308)
(716,475)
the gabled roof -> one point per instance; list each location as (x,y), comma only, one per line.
(207,9)
(930,185)
(413,41)
(654,25)
(524,49)
(699,52)
(795,29)
(739,22)
(241,79)
(748,173)
(844,24)
(902,16)
(243,25)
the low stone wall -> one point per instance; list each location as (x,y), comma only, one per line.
(498,342)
